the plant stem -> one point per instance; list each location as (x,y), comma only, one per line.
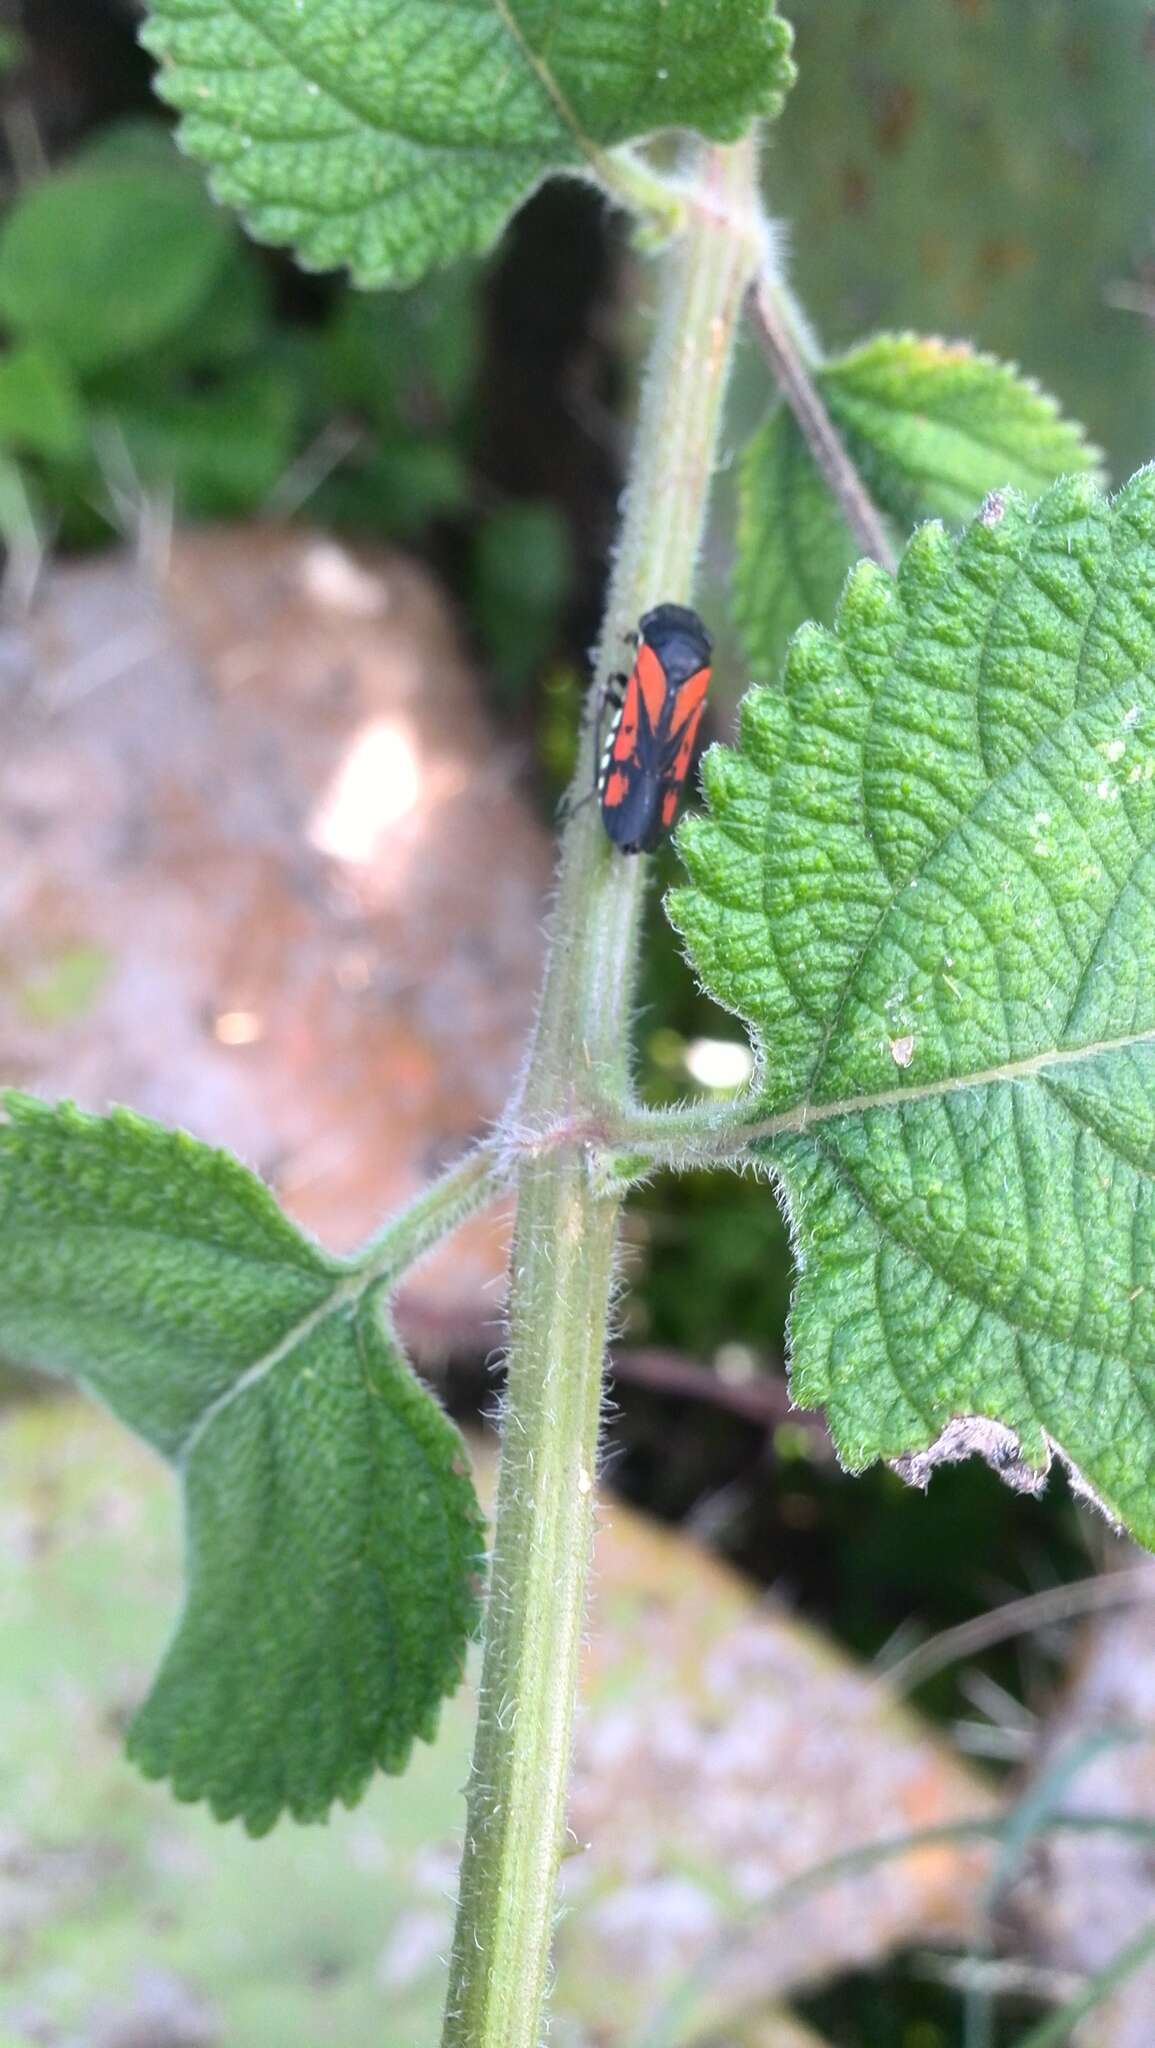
(1056,2031)
(780,345)
(657,206)
(565,1235)
(420,1226)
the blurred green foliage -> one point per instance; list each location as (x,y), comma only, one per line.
(13,48)
(101,263)
(148,351)
(520,579)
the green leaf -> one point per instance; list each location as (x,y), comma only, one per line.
(931,427)
(395,139)
(234,320)
(927,883)
(332,1530)
(235,316)
(933,419)
(143,143)
(793,548)
(99,264)
(40,408)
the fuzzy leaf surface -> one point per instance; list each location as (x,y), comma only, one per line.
(393,135)
(931,427)
(927,883)
(332,1529)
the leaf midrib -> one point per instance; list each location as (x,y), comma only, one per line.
(795,1122)
(347,1289)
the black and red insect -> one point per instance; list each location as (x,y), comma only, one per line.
(657,711)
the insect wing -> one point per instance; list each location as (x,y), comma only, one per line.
(689,701)
(631,785)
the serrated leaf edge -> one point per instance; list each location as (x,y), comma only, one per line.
(1005,369)
(596,161)
(358,1286)
(189,1790)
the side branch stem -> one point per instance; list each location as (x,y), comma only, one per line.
(717,1133)
(778,338)
(417,1229)
(566,1226)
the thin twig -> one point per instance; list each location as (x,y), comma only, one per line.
(1016,1617)
(818,430)
(1005,1976)
(1055,2031)
(677,2018)
(763,1400)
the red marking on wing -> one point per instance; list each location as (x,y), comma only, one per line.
(689,699)
(651,679)
(614,792)
(688,707)
(688,717)
(685,753)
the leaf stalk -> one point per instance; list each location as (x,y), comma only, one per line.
(419,1227)
(779,339)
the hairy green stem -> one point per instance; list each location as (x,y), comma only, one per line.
(430,1216)
(657,206)
(564,1241)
